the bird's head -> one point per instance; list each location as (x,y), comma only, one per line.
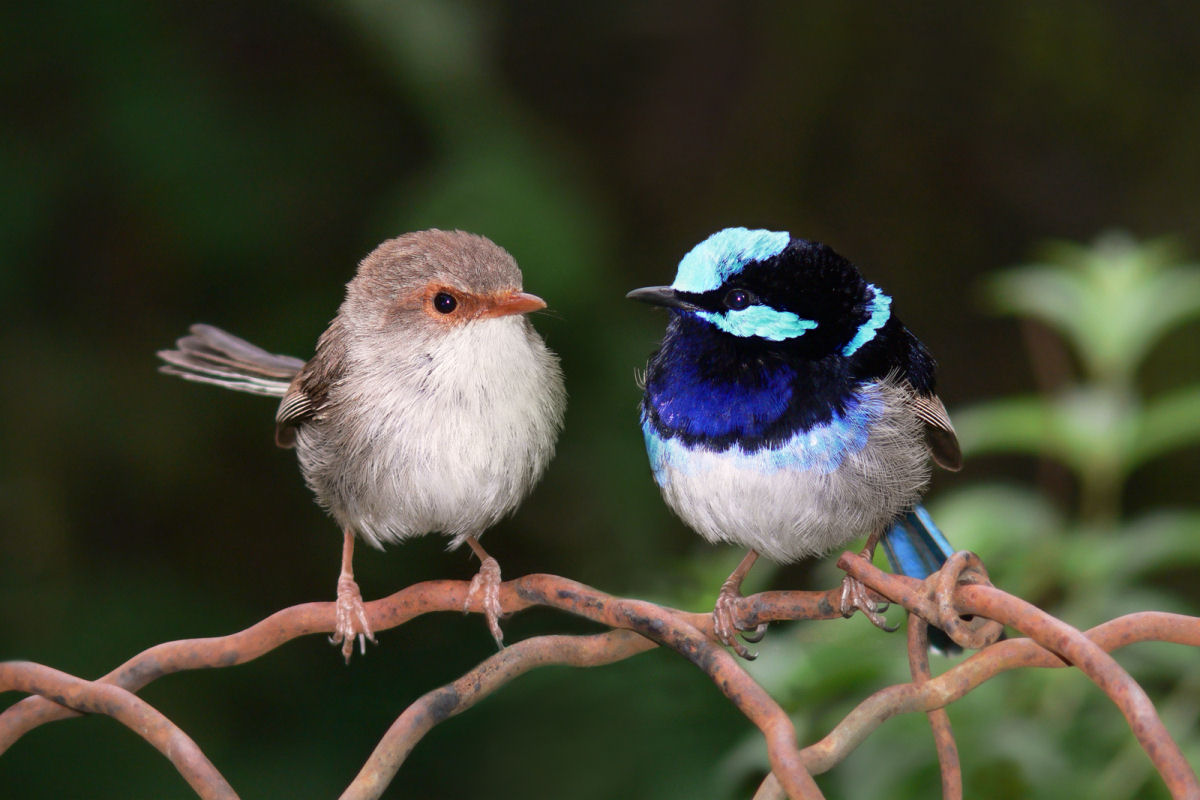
(776,291)
(432,282)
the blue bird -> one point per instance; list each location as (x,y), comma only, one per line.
(789,411)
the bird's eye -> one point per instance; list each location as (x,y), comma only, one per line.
(737,299)
(444,302)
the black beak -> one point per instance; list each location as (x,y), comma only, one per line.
(662,296)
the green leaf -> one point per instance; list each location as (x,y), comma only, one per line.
(1112,301)
(1050,293)
(1167,423)
(996,514)
(1012,425)
(1083,428)
(1158,540)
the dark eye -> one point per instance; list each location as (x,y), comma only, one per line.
(737,299)
(444,302)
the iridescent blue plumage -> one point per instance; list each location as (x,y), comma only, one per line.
(761,321)
(788,409)
(685,401)
(713,261)
(915,547)
(821,448)
(881,311)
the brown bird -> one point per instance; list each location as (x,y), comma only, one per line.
(431,404)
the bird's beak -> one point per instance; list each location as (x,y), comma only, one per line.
(514,303)
(662,296)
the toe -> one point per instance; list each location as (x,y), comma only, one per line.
(487,582)
(756,635)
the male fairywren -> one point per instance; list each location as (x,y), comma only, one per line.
(789,411)
(431,403)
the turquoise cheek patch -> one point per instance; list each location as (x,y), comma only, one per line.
(710,263)
(881,311)
(761,321)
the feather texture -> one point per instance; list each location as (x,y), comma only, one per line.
(210,355)
(914,546)
(453,453)
(409,419)
(939,432)
(817,490)
(788,409)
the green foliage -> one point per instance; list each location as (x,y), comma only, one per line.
(1111,302)
(1040,734)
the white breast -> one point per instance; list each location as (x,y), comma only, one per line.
(460,439)
(787,503)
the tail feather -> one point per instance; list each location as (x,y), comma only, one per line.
(210,355)
(915,547)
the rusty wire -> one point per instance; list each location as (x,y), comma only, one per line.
(939,720)
(127,708)
(959,599)
(447,701)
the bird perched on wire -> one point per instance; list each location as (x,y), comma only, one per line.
(789,411)
(431,404)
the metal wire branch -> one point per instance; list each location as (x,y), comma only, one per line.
(939,720)
(958,599)
(127,708)
(447,701)
(972,611)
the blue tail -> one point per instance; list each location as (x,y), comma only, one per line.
(915,547)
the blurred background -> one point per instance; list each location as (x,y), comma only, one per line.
(231,163)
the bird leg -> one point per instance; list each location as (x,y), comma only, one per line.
(351,620)
(856,596)
(487,580)
(725,612)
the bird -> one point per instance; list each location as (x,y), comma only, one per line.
(789,411)
(431,403)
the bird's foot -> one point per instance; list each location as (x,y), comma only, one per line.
(351,622)
(725,622)
(487,581)
(857,597)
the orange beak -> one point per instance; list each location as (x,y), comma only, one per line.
(513,303)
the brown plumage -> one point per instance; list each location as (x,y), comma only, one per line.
(431,404)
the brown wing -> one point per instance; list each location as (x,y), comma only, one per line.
(306,396)
(939,433)
(295,408)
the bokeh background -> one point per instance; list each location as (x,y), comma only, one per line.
(162,164)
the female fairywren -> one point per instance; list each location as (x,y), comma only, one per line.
(431,403)
(789,411)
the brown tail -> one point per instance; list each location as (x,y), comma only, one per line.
(210,355)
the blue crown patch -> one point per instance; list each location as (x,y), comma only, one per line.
(710,263)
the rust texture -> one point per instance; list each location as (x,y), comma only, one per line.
(959,599)
(127,708)
(447,701)
(939,720)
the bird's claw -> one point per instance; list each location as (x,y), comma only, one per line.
(725,624)
(351,621)
(757,635)
(857,597)
(487,581)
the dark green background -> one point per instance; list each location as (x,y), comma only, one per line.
(162,164)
